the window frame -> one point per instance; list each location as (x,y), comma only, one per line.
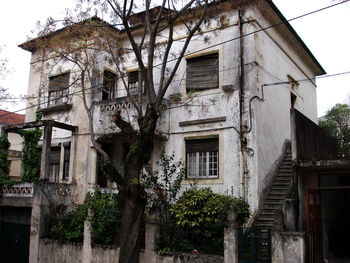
(58,92)
(196,151)
(54,164)
(109,86)
(133,80)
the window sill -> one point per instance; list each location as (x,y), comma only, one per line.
(55,108)
(202,181)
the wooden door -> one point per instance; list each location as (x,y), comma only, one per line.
(314,226)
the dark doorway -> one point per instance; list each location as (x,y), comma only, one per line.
(336,220)
(15,234)
(314,226)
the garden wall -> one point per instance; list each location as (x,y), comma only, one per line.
(52,251)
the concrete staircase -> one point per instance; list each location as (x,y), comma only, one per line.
(278,192)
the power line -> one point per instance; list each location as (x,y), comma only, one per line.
(223,42)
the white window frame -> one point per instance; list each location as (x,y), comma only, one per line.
(197,163)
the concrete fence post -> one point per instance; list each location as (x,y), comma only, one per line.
(151,236)
(87,249)
(231,239)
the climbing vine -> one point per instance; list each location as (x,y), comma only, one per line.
(30,152)
(4,163)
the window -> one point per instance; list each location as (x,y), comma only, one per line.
(133,83)
(202,158)
(109,88)
(58,89)
(54,166)
(59,162)
(66,161)
(202,72)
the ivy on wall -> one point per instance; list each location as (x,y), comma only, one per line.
(4,163)
(30,152)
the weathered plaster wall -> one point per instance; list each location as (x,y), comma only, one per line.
(276,59)
(267,58)
(54,252)
(288,247)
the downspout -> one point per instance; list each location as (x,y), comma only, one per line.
(243,140)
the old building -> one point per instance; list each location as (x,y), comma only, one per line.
(7,118)
(229,114)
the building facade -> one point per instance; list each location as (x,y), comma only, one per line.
(226,115)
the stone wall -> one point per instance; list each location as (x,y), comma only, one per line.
(54,252)
(288,247)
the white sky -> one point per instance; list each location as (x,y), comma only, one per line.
(326,33)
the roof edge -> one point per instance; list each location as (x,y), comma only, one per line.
(301,42)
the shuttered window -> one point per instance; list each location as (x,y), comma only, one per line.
(202,72)
(202,158)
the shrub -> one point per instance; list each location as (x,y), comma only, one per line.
(198,219)
(4,163)
(105,223)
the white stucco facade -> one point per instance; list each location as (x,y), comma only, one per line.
(268,57)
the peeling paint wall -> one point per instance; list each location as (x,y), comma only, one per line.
(268,57)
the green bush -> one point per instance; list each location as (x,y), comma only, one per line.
(105,222)
(198,219)
(200,207)
(4,163)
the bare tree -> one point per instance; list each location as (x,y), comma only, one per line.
(3,71)
(138,33)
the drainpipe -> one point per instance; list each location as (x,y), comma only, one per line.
(243,140)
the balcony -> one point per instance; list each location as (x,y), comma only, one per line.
(19,190)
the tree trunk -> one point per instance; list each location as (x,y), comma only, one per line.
(133,195)
(133,211)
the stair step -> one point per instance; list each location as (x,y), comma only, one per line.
(275,197)
(278,193)
(264,225)
(282,183)
(271,207)
(279,187)
(285,172)
(284,177)
(273,200)
(265,220)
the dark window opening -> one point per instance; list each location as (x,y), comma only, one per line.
(202,72)
(66,161)
(109,88)
(54,165)
(133,83)
(202,158)
(58,89)
(293,99)
(102,180)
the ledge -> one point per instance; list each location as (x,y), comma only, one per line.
(55,108)
(201,121)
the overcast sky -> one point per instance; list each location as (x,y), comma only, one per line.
(326,33)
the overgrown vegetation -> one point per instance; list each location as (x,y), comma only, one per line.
(4,163)
(198,219)
(163,185)
(105,220)
(30,152)
(30,155)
